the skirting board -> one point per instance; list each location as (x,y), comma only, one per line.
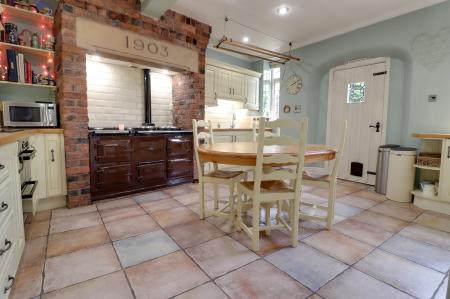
(432,205)
(45,204)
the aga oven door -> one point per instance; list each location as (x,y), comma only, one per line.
(112,149)
(109,179)
(179,146)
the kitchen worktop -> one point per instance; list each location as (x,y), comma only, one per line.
(432,135)
(12,135)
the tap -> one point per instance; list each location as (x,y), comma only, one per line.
(233,122)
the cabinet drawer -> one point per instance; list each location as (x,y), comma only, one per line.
(151,172)
(113,177)
(150,149)
(9,240)
(179,168)
(179,146)
(8,275)
(112,150)
(6,200)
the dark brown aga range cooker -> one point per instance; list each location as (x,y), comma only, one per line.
(127,162)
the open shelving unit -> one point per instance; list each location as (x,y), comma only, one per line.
(27,50)
(18,84)
(26,14)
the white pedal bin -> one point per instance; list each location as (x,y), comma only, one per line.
(401,174)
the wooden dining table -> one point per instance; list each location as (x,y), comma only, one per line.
(244,153)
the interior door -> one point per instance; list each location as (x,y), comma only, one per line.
(359,94)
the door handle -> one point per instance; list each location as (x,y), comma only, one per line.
(233,91)
(230,90)
(4,206)
(377,126)
(2,166)
(7,247)
(448,152)
(53,155)
(6,288)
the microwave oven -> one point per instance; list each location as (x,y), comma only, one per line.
(24,114)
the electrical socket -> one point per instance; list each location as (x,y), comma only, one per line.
(432,98)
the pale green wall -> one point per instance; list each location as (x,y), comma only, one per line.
(213,54)
(411,81)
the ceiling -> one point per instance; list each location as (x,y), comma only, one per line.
(309,21)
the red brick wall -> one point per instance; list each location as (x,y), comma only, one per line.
(70,64)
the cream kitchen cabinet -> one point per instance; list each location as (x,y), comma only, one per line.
(12,237)
(232,136)
(210,82)
(252,93)
(444,179)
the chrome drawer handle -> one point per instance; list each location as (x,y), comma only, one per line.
(7,247)
(4,207)
(7,288)
(2,166)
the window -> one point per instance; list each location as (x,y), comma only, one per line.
(356,93)
(271,93)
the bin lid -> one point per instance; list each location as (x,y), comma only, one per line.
(405,151)
(387,147)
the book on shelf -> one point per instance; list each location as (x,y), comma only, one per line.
(12,65)
(19,69)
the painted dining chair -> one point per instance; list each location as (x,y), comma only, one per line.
(322,178)
(255,130)
(202,131)
(278,187)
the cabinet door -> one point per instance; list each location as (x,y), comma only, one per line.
(223,84)
(238,86)
(444,181)
(223,138)
(55,171)
(37,164)
(210,86)
(112,149)
(243,137)
(252,93)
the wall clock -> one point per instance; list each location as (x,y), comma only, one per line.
(294,84)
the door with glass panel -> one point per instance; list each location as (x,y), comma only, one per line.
(358,92)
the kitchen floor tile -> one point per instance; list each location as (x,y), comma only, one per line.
(160,205)
(62,224)
(339,246)
(208,291)
(111,286)
(28,283)
(381,221)
(40,216)
(189,198)
(179,190)
(165,277)
(65,212)
(419,252)
(193,233)
(150,196)
(403,274)
(68,269)
(427,235)
(115,203)
(355,284)
(306,228)
(442,291)
(346,210)
(434,221)
(221,255)
(404,212)
(70,241)
(34,253)
(121,213)
(362,231)
(370,195)
(209,205)
(144,247)
(267,244)
(175,216)
(261,280)
(36,229)
(129,227)
(358,201)
(307,265)
(325,193)
(222,223)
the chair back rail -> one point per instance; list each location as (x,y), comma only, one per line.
(206,135)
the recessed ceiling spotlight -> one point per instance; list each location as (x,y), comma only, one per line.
(283,10)
(245,39)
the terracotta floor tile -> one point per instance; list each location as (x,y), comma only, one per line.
(40,216)
(221,255)
(343,188)
(138,249)
(65,212)
(306,228)
(193,233)
(403,274)
(70,241)
(339,246)
(111,286)
(115,203)
(62,224)
(427,235)
(175,216)
(315,296)
(208,290)
(421,253)
(209,205)
(355,284)
(222,223)
(34,253)
(356,186)
(261,280)
(392,209)
(165,277)
(268,244)
(150,196)
(362,231)
(36,229)
(324,193)
(307,265)
(189,198)
(160,205)
(381,221)
(358,201)
(346,210)
(370,195)
(121,213)
(434,221)
(28,283)
(129,227)
(311,198)
(442,291)
(68,269)
(179,190)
